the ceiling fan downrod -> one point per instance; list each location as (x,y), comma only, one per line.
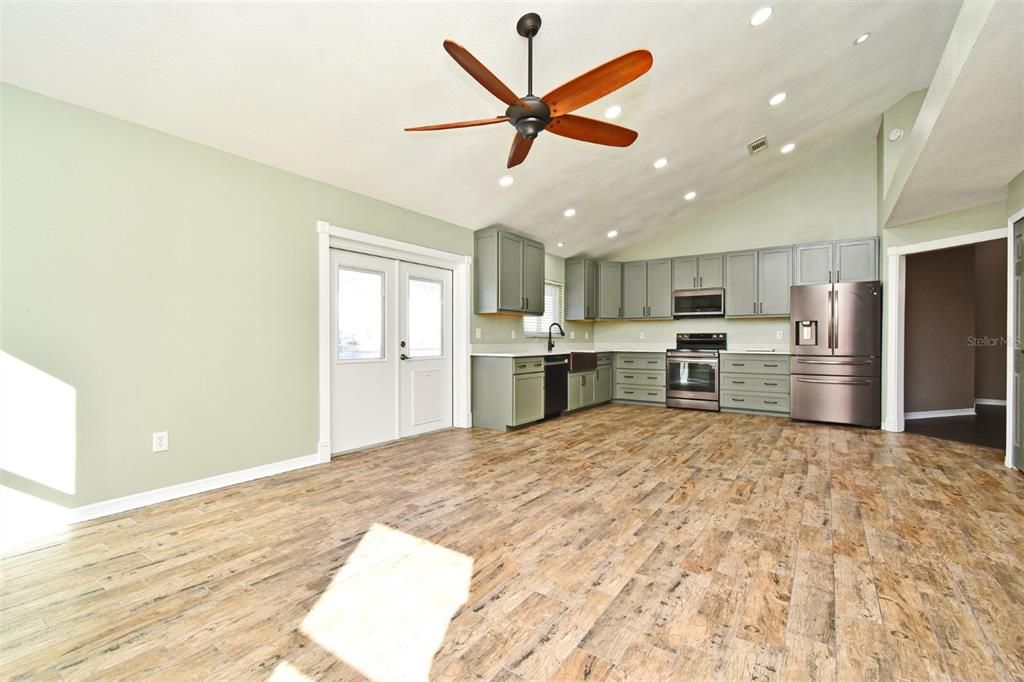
(529,115)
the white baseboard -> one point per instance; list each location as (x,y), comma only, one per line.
(932,414)
(989,401)
(172,492)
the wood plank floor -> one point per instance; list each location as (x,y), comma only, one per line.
(623,542)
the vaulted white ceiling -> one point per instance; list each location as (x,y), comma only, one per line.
(324,90)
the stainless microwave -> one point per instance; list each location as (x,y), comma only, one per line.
(698,303)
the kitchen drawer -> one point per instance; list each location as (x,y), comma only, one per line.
(730,400)
(755,364)
(640,378)
(527,365)
(647,394)
(604,359)
(755,383)
(640,361)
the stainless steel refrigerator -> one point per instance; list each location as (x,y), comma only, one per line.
(836,361)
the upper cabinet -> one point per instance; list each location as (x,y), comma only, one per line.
(757,282)
(509,273)
(698,272)
(647,289)
(580,289)
(850,260)
(609,291)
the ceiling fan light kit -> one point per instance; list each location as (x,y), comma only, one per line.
(530,114)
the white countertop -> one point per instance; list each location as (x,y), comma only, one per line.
(557,351)
(755,350)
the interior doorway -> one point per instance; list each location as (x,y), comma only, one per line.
(392,332)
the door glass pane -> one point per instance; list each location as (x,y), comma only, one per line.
(360,314)
(696,377)
(426,318)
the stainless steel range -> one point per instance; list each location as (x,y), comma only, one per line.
(692,371)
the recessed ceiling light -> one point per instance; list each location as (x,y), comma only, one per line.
(861,38)
(612,234)
(613,111)
(690,196)
(760,16)
(569,212)
(561,244)
(506,180)
(777,99)
(661,163)
(787,148)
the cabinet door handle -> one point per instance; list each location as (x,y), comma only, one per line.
(770,383)
(620,311)
(771,402)
(628,392)
(738,382)
(771,365)
(739,364)
(739,400)
(694,282)
(627,376)
(701,281)
(653,378)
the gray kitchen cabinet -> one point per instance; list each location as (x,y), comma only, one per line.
(609,291)
(634,290)
(640,377)
(581,390)
(850,260)
(774,277)
(741,283)
(698,272)
(509,273)
(647,289)
(813,263)
(533,277)
(528,398)
(580,289)
(710,271)
(603,384)
(684,273)
(755,383)
(857,260)
(659,289)
(507,392)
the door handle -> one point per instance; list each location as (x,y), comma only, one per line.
(802,361)
(694,282)
(830,321)
(701,282)
(842,382)
(403,356)
(835,318)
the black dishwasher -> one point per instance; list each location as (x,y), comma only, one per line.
(556,385)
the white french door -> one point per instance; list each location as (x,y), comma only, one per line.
(425,360)
(391,370)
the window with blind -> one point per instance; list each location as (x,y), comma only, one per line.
(554,311)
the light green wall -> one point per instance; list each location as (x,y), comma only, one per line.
(174,287)
(1015,195)
(901,115)
(499,328)
(977,219)
(833,200)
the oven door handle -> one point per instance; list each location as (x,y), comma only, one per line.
(841,382)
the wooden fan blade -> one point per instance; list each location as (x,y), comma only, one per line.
(591,130)
(480,73)
(520,148)
(597,83)
(461,124)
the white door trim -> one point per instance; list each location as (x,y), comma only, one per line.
(1011,326)
(895,309)
(331,236)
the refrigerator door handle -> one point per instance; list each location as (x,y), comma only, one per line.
(830,315)
(835,320)
(841,382)
(802,361)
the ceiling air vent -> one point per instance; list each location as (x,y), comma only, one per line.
(757,145)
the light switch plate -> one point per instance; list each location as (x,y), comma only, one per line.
(160,441)
(586,336)
(641,336)
(778,335)
(513,333)
(477,334)
(572,335)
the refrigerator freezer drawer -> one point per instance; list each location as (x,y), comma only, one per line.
(838,399)
(826,365)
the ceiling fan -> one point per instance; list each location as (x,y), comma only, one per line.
(530,114)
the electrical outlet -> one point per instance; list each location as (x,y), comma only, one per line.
(572,334)
(477,334)
(641,336)
(586,336)
(513,333)
(160,441)
(778,335)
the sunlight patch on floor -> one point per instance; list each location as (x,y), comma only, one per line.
(286,672)
(387,610)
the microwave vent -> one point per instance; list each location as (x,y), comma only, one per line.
(757,145)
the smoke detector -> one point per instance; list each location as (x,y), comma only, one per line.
(758,145)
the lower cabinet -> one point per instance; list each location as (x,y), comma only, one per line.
(581,390)
(507,392)
(640,377)
(527,398)
(755,384)
(603,384)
